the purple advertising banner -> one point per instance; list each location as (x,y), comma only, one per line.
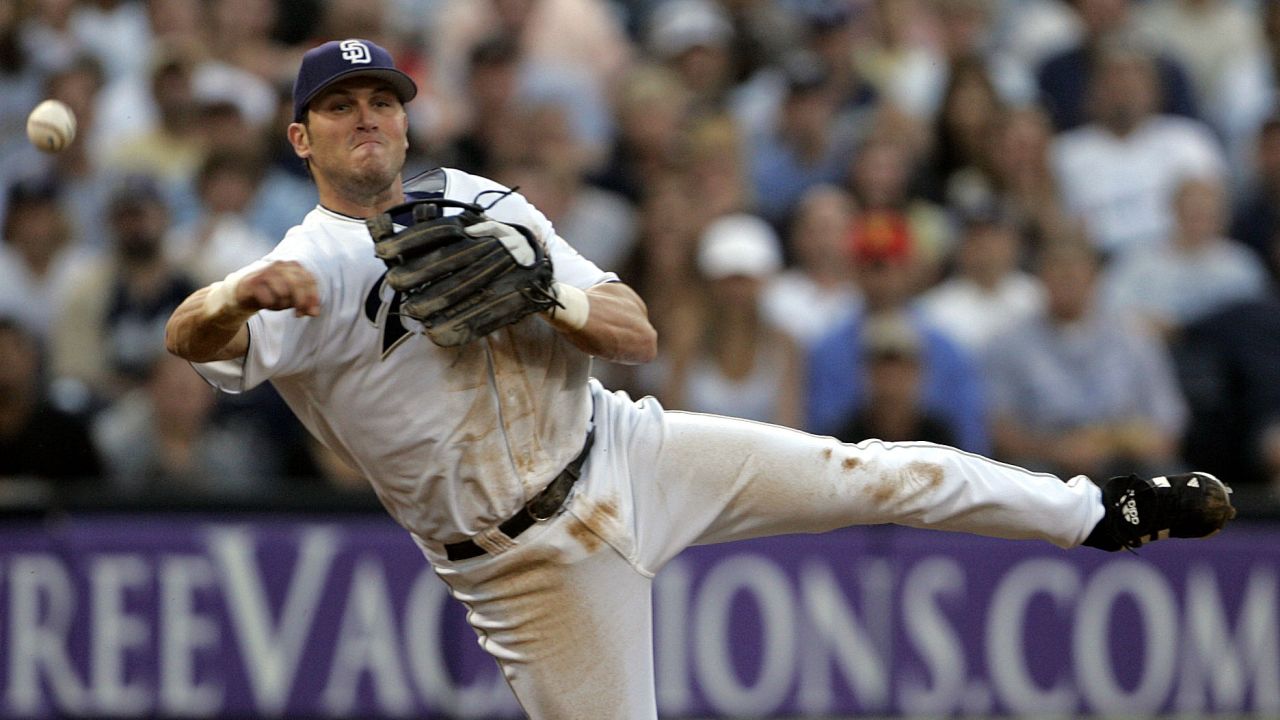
(186,616)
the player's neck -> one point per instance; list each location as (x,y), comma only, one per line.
(357,205)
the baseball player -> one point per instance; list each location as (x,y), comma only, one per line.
(437,335)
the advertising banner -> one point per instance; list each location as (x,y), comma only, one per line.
(277,616)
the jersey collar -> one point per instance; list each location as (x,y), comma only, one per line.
(339,216)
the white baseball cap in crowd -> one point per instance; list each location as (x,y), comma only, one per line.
(678,25)
(739,244)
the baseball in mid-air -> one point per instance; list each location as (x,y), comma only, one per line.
(51,126)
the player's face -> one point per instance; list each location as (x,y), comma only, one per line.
(355,137)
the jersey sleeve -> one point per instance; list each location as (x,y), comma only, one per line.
(279,342)
(512,207)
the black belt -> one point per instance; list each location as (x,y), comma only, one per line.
(542,506)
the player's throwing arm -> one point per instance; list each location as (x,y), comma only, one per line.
(210,324)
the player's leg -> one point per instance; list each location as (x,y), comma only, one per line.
(741,479)
(568,620)
(716,479)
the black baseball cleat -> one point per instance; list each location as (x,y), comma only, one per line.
(1139,511)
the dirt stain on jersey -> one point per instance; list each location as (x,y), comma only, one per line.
(826,453)
(524,463)
(851,463)
(594,523)
(468,370)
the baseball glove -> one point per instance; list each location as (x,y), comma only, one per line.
(465,275)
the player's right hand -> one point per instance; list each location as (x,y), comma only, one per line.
(281,285)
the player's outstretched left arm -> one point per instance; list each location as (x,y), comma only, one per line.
(609,321)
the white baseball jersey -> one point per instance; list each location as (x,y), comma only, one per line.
(454,440)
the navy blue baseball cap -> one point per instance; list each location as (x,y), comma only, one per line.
(326,64)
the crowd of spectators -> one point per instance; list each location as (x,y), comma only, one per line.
(1046,230)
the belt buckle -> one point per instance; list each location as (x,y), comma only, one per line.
(557,491)
(552,501)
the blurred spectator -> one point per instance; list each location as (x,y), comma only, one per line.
(491,88)
(1221,45)
(1013,174)
(179,23)
(220,239)
(355,18)
(807,146)
(899,60)
(695,39)
(1271,35)
(832,36)
(1256,220)
(663,270)
(224,128)
(586,109)
(892,351)
(545,132)
(961,136)
(1119,172)
(1078,389)
(240,36)
(969,31)
(988,292)
(1229,363)
(738,365)
(83,186)
(36,256)
(111,328)
(161,440)
(127,106)
(1066,77)
(1035,30)
(217,77)
(1197,273)
(885,258)
(160,121)
(47,38)
(599,224)
(36,439)
(652,110)
(500,81)
(554,34)
(717,167)
(818,293)
(880,177)
(173,147)
(19,77)
(116,32)
(764,32)
(573,51)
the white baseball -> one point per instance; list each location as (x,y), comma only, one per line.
(51,126)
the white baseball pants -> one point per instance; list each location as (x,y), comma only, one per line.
(567,609)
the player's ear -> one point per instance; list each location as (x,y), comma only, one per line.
(300,139)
